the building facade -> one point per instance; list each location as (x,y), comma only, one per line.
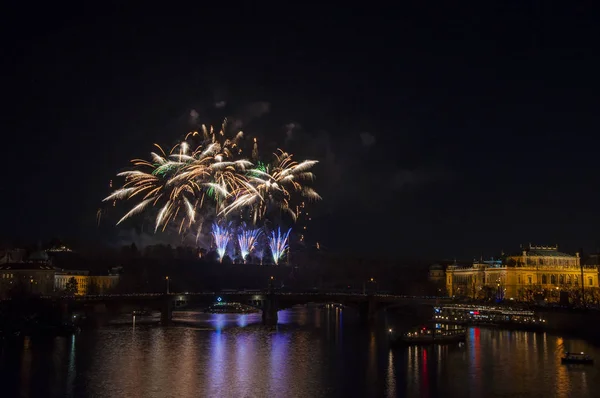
(437,279)
(26,278)
(535,271)
(86,284)
(35,275)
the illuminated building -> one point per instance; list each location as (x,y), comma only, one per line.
(536,271)
(60,248)
(37,276)
(86,284)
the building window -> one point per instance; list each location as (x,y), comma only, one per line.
(529,280)
(519,279)
(553,279)
(544,279)
(568,279)
(590,281)
(561,279)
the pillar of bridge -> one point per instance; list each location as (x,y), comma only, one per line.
(269,311)
(166,311)
(368,310)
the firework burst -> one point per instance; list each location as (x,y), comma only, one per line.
(278,243)
(177,184)
(150,184)
(221,236)
(274,186)
(247,239)
(184,185)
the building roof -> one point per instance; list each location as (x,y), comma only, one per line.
(63,271)
(40,255)
(436,267)
(542,251)
(547,253)
(12,256)
(26,267)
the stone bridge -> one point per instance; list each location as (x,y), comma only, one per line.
(368,305)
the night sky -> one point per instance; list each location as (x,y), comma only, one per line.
(441,132)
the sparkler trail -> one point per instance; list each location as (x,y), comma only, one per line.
(247,239)
(221,236)
(278,243)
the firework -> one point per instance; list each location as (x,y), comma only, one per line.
(273,186)
(247,239)
(182,185)
(278,243)
(178,183)
(221,236)
(150,183)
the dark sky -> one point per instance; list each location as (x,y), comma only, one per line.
(442,132)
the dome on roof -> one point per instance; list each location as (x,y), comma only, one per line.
(40,255)
(436,266)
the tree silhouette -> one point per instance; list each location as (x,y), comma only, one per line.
(72,287)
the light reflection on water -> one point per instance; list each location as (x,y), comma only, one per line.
(311,353)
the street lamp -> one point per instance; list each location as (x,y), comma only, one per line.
(167,279)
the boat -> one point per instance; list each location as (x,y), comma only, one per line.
(230,308)
(433,335)
(577,358)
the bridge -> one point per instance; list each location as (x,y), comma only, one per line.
(269,302)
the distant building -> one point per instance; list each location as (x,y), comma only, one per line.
(12,256)
(537,270)
(36,275)
(436,273)
(26,278)
(86,284)
(60,249)
(437,278)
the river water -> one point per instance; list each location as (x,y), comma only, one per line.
(312,353)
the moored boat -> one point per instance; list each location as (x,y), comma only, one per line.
(434,335)
(577,358)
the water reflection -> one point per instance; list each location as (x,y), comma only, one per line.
(242,320)
(391,377)
(279,356)
(218,366)
(26,361)
(305,356)
(72,369)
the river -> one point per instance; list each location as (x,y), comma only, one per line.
(312,353)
